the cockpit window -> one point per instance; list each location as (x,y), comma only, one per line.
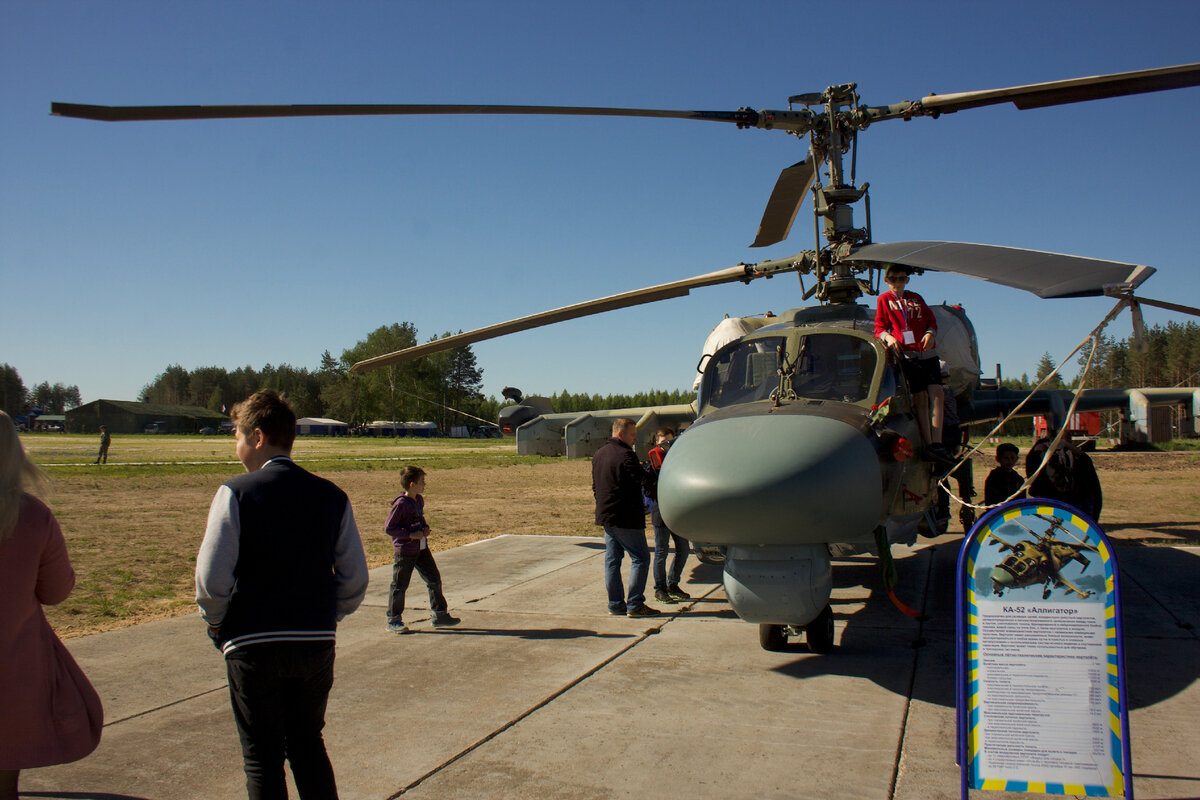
(743,372)
(832,366)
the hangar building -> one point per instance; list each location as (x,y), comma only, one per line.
(320,426)
(125,416)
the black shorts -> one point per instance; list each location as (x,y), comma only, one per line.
(921,373)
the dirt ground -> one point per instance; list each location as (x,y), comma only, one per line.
(133,540)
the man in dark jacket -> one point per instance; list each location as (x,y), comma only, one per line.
(1069,475)
(281,564)
(617,479)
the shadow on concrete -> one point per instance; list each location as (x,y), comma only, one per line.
(1157,666)
(1187,531)
(726,613)
(80,795)
(528,633)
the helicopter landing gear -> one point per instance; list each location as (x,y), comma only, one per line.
(818,634)
(772,637)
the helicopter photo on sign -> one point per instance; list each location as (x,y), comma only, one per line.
(1030,556)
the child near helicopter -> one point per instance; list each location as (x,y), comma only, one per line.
(407,527)
(906,326)
(666,588)
(1004,480)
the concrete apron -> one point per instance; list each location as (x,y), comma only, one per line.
(540,693)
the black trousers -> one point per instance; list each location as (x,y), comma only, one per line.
(279,691)
(402,570)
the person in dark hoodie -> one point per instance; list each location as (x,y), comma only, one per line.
(280,565)
(617,478)
(406,526)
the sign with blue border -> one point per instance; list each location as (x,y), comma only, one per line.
(1041,692)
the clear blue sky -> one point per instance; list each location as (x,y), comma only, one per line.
(126,247)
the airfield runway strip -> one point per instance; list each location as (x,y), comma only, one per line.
(540,693)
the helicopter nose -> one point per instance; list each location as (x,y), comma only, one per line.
(1001,579)
(771,479)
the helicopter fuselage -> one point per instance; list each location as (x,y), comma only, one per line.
(805,438)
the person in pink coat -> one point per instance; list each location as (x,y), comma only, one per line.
(49,712)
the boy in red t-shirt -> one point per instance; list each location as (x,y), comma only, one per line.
(905,324)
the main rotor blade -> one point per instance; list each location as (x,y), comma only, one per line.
(1074,90)
(785,201)
(650,294)
(742,117)
(1045,274)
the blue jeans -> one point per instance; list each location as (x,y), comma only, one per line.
(618,542)
(663,536)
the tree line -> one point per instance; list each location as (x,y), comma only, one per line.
(1169,357)
(46,398)
(443,388)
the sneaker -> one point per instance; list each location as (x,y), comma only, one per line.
(677,593)
(619,611)
(642,611)
(445,620)
(661,596)
(397,627)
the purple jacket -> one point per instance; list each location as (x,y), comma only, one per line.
(406,524)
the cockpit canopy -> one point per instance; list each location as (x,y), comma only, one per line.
(831,364)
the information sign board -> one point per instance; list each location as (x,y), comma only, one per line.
(1041,695)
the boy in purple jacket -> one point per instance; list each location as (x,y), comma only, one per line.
(406,525)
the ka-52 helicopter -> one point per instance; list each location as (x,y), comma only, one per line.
(803,433)
(1040,561)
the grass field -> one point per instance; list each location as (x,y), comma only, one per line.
(133,526)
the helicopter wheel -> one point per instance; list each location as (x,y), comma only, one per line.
(819,632)
(772,637)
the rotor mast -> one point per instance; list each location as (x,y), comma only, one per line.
(833,134)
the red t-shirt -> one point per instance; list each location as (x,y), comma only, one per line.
(897,314)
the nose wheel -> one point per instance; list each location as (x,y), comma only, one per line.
(818,634)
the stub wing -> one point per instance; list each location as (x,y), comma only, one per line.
(1069,587)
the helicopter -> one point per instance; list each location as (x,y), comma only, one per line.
(1040,561)
(804,438)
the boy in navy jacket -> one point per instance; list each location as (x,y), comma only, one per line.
(281,564)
